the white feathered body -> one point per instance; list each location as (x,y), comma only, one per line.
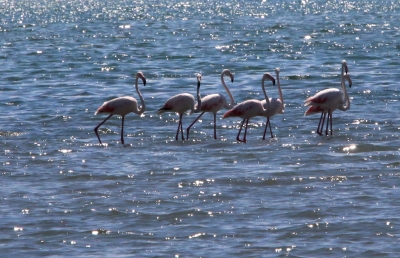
(179,103)
(276,107)
(328,99)
(119,106)
(246,109)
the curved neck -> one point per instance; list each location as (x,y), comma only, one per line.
(346,106)
(265,94)
(280,91)
(198,108)
(143,107)
(227,90)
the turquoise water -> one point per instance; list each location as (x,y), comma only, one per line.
(298,194)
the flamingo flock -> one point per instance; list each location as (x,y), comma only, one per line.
(324,102)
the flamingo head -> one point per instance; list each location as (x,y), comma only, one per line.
(141,76)
(344,63)
(228,73)
(198,80)
(269,77)
(347,77)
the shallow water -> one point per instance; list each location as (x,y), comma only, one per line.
(298,194)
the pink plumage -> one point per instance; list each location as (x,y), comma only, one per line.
(119,106)
(329,100)
(250,108)
(122,106)
(276,105)
(181,103)
(313,110)
(214,102)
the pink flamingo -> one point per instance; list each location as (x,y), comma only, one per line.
(250,108)
(122,106)
(181,103)
(214,102)
(276,105)
(329,100)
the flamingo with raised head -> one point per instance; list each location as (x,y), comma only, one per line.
(329,100)
(122,106)
(181,103)
(214,102)
(250,108)
(276,105)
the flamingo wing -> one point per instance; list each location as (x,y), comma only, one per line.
(313,109)
(325,98)
(212,103)
(120,106)
(245,109)
(178,103)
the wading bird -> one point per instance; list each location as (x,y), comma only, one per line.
(276,105)
(181,103)
(329,100)
(214,102)
(250,108)
(122,106)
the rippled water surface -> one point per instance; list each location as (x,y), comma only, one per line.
(298,194)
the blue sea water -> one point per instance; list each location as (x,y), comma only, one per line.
(299,194)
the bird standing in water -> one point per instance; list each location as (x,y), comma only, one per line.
(214,102)
(181,103)
(250,108)
(276,105)
(329,100)
(122,106)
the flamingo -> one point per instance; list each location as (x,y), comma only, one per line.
(329,100)
(250,108)
(214,102)
(276,105)
(181,103)
(122,106)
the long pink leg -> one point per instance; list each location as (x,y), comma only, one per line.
(329,118)
(265,130)
(322,124)
(245,131)
(122,130)
(97,127)
(319,124)
(241,126)
(183,138)
(179,126)
(272,136)
(327,122)
(188,129)
(215,126)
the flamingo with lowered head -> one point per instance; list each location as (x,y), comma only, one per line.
(329,100)
(181,103)
(276,105)
(214,102)
(250,108)
(122,106)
